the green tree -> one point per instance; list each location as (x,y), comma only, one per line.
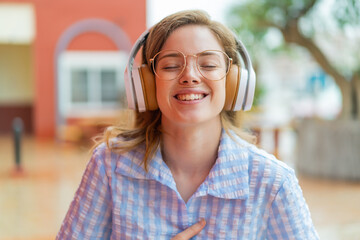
(299,22)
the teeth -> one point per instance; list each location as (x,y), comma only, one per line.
(190,97)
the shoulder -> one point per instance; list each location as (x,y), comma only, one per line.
(267,163)
(274,185)
(258,156)
(100,149)
(100,160)
(104,155)
(269,170)
(116,158)
(264,169)
(101,153)
(115,148)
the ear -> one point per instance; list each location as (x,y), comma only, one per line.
(149,88)
(232,86)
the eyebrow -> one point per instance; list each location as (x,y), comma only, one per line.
(175,54)
(168,55)
(207,52)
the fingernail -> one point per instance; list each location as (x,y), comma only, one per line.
(202,221)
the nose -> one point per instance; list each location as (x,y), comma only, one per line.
(191,74)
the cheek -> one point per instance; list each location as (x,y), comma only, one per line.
(221,93)
(162,92)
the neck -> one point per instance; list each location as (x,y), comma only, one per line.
(191,150)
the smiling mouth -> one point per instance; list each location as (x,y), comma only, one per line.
(190,97)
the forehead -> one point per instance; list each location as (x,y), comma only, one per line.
(191,39)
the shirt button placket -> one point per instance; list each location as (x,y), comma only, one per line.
(184,215)
(192,216)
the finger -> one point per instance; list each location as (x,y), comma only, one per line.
(191,231)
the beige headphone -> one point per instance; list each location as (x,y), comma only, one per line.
(141,90)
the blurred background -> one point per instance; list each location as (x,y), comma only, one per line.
(61,83)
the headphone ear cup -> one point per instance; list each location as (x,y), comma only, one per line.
(148,87)
(232,87)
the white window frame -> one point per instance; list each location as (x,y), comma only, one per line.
(94,62)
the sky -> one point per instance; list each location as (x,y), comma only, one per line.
(158,9)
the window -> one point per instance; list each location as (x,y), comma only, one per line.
(79,82)
(108,86)
(91,83)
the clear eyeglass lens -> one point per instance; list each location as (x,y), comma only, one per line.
(212,64)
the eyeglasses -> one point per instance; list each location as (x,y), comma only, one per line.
(170,64)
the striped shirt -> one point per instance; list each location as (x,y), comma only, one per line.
(248,194)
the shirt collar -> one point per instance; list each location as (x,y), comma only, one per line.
(227,179)
(131,165)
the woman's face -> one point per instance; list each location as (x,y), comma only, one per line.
(191,98)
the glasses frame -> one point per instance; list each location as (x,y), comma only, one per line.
(152,62)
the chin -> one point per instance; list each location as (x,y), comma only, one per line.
(198,118)
(191,116)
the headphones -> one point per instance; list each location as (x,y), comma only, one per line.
(141,90)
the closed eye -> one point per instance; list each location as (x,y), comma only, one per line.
(171,68)
(209,67)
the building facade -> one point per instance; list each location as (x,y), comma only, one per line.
(70,65)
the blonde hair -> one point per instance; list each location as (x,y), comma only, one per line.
(145,127)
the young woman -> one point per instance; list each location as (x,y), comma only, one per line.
(184,169)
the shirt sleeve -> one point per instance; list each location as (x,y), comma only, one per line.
(289,214)
(89,215)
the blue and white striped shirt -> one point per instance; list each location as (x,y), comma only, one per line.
(248,194)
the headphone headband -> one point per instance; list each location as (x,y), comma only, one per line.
(128,77)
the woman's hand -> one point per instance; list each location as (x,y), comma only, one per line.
(191,231)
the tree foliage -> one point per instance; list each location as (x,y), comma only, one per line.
(299,23)
(347,12)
